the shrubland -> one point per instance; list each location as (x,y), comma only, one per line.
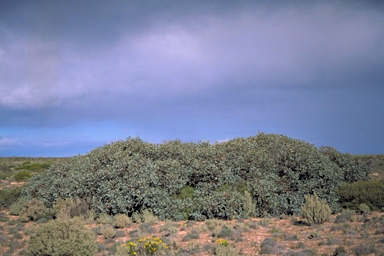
(257,176)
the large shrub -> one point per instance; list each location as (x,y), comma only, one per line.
(201,180)
(63,237)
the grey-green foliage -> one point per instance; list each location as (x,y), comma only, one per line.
(315,210)
(16,207)
(201,180)
(62,237)
(352,168)
(32,210)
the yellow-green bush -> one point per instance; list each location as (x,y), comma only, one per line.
(315,210)
(121,220)
(22,176)
(62,237)
(107,231)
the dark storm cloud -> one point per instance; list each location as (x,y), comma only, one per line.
(193,69)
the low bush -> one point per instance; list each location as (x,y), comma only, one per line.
(340,251)
(9,196)
(346,215)
(370,192)
(148,217)
(35,167)
(62,237)
(364,208)
(315,210)
(222,247)
(268,246)
(3,217)
(121,220)
(16,207)
(33,210)
(364,250)
(22,176)
(226,232)
(104,219)
(107,231)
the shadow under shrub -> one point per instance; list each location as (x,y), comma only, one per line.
(63,237)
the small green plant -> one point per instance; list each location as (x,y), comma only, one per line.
(226,232)
(170,227)
(121,220)
(268,246)
(213,224)
(22,176)
(148,217)
(264,222)
(104,219)
(315,210)
(62,237)
(193,247)
(192,235)
(364,208)
(274,230)
(3,217)
(136,217)
(346,215)
(107,231)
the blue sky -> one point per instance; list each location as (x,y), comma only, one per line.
(75,75)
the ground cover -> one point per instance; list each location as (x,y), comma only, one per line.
(359,234)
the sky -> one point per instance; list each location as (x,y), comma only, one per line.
(76,75)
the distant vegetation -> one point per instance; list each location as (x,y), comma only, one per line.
(22,168)
(257,176)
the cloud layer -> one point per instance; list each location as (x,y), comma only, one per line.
(192,70)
